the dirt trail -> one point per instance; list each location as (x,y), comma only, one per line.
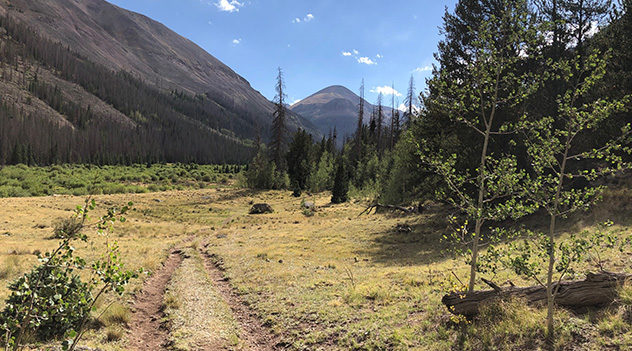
(146,331)
(255,335)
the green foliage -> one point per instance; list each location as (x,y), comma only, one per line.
(263,174)
(60,299)
(21,180)
(52,300)
(341,185)
(298,160)
(322,178)
(490,81)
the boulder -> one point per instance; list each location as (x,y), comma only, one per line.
(309,205)
(261,209)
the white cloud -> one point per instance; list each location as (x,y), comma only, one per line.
(385,90)
(229,6)
(366,61)
(355,51)
(237,41)
(425,68)
(346,53)
(379,56)
(295,102)
(307,18)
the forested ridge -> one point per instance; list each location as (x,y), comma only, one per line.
(165,127)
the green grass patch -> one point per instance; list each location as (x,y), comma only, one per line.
(79,180)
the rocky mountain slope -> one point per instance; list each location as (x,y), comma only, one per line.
(335,107)
(127,48)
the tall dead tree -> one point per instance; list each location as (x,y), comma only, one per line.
(394,121)
(410,101)
(380,123)
(279,127)
(360,113)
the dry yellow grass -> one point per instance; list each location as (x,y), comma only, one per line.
(330,281)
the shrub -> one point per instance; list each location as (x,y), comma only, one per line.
(60,302)
(51,300)
(67,228)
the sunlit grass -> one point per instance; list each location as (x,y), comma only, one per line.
(334,280)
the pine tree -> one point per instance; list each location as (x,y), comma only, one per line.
(341,184)
(298,161)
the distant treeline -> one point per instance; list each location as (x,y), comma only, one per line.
(168,127)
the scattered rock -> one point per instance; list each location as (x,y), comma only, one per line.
(280,261)
(261,209)
(221,236)
(309,205)
(157,200)
(210,209)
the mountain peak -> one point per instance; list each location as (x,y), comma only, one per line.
(334,107)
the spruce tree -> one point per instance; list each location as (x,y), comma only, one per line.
(341,185)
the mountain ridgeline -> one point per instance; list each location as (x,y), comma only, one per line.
(335,107)
(90,82)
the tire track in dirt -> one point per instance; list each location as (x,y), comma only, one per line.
(146,330)
(255,335)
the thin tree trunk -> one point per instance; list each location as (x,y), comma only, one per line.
(481,199)
(550,326)
(477,231)
(549,281)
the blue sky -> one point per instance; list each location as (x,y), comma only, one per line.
(317,43)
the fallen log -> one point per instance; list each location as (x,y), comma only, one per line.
(378,206)
(598,289)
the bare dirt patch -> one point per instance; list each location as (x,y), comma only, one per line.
(146,329)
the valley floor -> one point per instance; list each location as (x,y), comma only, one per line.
(224,279)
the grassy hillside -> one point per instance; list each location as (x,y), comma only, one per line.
(332,280)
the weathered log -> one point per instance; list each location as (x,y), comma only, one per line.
(378,206)
(597,289)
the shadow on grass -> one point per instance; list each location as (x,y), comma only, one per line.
(424,244)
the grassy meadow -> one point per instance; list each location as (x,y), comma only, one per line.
(333,280)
